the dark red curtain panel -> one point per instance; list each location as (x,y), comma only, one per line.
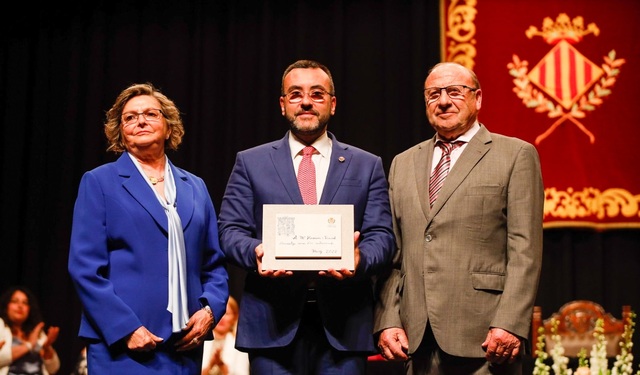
(562,75)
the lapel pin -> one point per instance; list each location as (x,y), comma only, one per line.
(341,159)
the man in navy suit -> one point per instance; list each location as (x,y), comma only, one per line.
(305,322)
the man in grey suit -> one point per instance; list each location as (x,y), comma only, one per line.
(459,297)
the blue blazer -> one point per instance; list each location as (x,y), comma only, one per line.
(271,308)
(118,254)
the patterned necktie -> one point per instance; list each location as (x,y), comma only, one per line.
(442,169)
(307,176)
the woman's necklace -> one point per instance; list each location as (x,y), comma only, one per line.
(155,180)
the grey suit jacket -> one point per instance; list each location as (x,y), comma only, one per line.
(473,260)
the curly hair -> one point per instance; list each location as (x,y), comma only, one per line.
(35,314)
(171,113)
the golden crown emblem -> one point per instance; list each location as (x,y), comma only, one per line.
(563,29)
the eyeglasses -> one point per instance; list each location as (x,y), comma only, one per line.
(455,92)
(151,115)
(316,95)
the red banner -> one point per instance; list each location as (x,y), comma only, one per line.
(563,75)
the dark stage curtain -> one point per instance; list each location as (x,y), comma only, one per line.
(221,62)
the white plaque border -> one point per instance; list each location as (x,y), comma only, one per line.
(269,261)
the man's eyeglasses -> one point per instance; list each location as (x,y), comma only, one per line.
(151,115)
(316,95)
(455,92)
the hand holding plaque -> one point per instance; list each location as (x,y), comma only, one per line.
(308,237)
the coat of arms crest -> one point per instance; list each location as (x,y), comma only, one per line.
(564,83)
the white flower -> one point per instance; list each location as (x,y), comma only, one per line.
(624,361)
(597,363)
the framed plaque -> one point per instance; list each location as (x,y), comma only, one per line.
(307,237)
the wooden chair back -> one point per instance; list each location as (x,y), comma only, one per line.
(577,323)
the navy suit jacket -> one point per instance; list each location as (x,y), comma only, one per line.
(118,254)
(271,308)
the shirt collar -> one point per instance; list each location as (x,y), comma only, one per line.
(322,144)
(466,137)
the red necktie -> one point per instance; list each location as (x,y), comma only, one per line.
(307,176)
(442,169)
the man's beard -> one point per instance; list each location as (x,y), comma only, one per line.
(317,129)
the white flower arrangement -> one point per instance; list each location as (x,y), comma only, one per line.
(596,364)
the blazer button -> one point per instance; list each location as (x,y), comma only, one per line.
(428,238)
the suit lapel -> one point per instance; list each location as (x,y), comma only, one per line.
(473,152)
(185,196)
(340,159)
(281,158)
(135,184)
(422,161)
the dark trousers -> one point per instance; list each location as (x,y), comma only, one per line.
(309,354)
(429,359)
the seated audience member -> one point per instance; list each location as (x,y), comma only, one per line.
(220,356)
(80,367)
(29,349)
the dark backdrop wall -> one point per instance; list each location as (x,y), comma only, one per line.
(61,68)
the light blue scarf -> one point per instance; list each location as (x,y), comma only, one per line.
(177,305)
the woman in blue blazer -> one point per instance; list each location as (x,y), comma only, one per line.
(145,257)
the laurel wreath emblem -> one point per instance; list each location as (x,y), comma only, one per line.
(536,99)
